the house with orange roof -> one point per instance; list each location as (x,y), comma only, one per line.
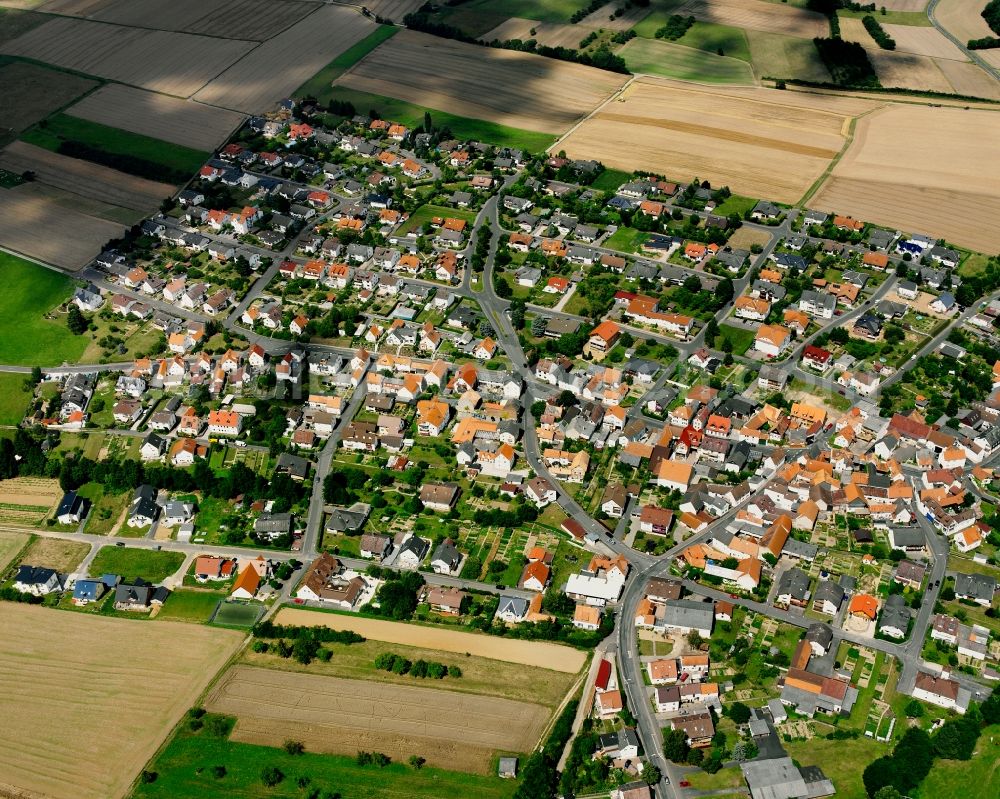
(673,475)
(875,260)
(535,576)
(432,417)
(755,309)
(772,340)
(224,423)
(556,285)
(587,617)
(848,223)
(662,671)
(603,338)
(795,320)
(864,605)
(247,584)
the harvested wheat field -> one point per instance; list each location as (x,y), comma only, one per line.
(29,93)
(760,142)
(549,34)
(279,66)
(923,41)
(74,8)
(853,30)
(172,63)
(526,91)
(758,15)
(903,5)
(963,19)
(898,70)
(55,553)
(72,677)
(945,181)
(85,178)
(329,714)
(232,19)
(530,653)
(183,122)
(34,226)
(632,15)
(970,80)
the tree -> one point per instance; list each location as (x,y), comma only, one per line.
(675,745)
(76,321)
(271,776)
(724,291)
(990,709)
(293,747)
(888,792)
(956,739)
(695,757)
(417,762)
(149,776)
(651,774)
(739,712)
(218,772)
(914,709)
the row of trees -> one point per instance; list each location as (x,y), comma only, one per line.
(397,664)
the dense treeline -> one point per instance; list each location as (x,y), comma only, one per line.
(326,635)
(130,164)
(878,33)
(397,664)
(847,62)
(539,777)
(992,15)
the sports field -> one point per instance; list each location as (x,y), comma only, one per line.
(237,614)
(125,683)
(30,293)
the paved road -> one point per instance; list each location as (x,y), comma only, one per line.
(972,55)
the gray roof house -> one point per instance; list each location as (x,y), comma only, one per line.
(894,620)
(977,587)
(793,588)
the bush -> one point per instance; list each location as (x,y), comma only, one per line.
(218,772)
(271,776)
(293,747)
(149,777)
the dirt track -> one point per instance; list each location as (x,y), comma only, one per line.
(530,653)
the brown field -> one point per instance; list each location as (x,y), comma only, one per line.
(329,714)
(479,675)
(29,92)
(760,142)
(853,30)
(83,205)
(529,653)
(25,501)
(35,226)
(233,19)
(969,79)
(55,553)
(758,15)
(903,70)
(963,19)
(550,34)
(85,178)
(10,545)
(923,41)
(182,122)
(73,8)
(172,63)
(279,66)
(526,91)
(944,182)
(904,5)
(84,719)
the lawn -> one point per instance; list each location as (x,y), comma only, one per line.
(14,398)
(670,60)
(735,204)
(106,509)
(129,152)
(427,212)
(238,614)
(957,779)
(148,564)
(842,761)
(740,338)
(650,24)
(719,39)
(191,605)
(610,180)
(974,265)
(184,771)
(30,292)
(319,85)
(461,127)
(626,239)
(915,18)
(730,777)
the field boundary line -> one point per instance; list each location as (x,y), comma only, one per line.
(852,123)
(614,96)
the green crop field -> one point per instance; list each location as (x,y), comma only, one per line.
(184,771)
(237,614)
(462,127)
(719,39)
(150,565)
(542,10)
(119,149)
(319,85)
(30,292)
(775,55)
(656,57)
